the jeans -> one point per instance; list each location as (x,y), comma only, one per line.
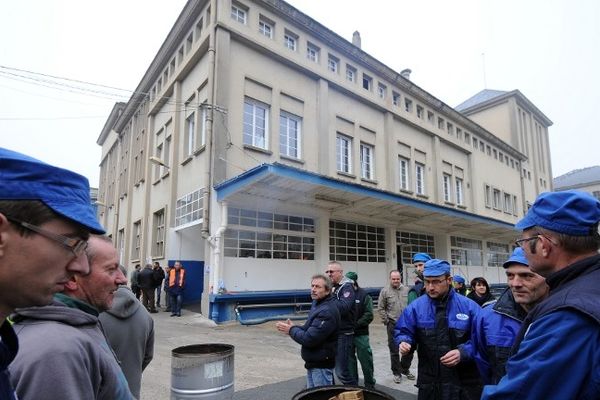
(319,377)
(364,353)
(345,347)
(176,302)
(167,300)
(399,366)
(158,290)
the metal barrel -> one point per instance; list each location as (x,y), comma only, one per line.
(327,392)
(202,371)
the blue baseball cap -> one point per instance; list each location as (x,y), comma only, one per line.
(435,267)
(517,257)
(571,212)
(421,257)
(458,279)
(65,192)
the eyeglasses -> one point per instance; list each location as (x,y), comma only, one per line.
(76,246)
(521,242)
(331,271)
(434,282)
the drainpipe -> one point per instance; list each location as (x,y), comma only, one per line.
(215,247)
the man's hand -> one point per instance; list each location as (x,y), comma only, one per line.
(451,358)
(405,348)
(284,326)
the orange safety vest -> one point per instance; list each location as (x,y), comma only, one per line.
(172,277)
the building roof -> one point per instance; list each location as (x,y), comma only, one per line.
(577,178)
(481,97)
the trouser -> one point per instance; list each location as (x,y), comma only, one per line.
(399,365)
(167,300)
(319,377)
(176,303)
(148,299)
(158,290)
(365,356)
(136,291)
(345,347)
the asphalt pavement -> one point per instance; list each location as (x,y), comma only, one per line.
(267,364)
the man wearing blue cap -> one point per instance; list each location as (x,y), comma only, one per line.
(419,260)
(440,325)
(459,285)
(496,326)
(45,220)
(557,350)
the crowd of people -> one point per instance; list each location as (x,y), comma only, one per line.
(539,339)
(70,328)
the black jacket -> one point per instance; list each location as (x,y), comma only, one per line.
(159,275)
(345,301)
(146,278)
(318,336)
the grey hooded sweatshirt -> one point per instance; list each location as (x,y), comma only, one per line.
(63,354)
(129,329)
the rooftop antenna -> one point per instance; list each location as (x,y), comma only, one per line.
(483,67)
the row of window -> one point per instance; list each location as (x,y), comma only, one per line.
(500,201)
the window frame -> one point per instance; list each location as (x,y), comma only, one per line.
(255,142)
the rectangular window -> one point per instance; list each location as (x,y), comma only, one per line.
(413,243)
(515,210)
(190,134)
(256,117)
(497,254)
(356,242)
(258,234)
(189,208)
(366,161)
(459,134)
(343,150)
(450,128)
(290,40)
(367,82)
(467,252)
(508,207)
(333,63)
(381,90)
(289,135)
(420,111)
(312,52)
(459,191)
(419,178)
(441,123)
(488,196)
(446,179)
(430,117)
(137,240)
(467,138)
(158,242)
(404,173)
(350,73)
(238,14)
(396,98)
(266,27)
(408,105)
(497,200)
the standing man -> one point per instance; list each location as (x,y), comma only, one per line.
(65,354)
(364,316)
(176,288)
(318,335)
(392,301)
(135,282)
(558,346)
(343,292)
(159,277)
(459,284)
(129,330)
(440,324)
(497,324)
(45,220)
(419,260)
(166,288)
(146,282)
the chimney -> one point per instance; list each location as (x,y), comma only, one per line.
(356,39)
(405,73)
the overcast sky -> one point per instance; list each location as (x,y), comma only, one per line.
(548,49)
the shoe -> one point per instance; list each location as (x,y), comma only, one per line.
(153,311)
(173,315)
(409,376)
(397,378)
(179,315)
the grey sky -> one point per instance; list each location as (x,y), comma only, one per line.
(547,49)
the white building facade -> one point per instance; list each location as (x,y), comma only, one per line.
(259,145)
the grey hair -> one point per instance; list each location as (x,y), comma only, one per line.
(326,279)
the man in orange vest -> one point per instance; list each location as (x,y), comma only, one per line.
(176,287)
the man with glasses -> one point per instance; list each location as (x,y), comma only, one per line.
(46,218)
(497,324)
(557,351)
(65,354)
(343,292)
(440,325)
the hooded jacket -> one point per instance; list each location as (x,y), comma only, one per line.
(9,346)
(346,296)
(129,329)
(64,355)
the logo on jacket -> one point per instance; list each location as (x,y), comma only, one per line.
(346,294)
(462,317)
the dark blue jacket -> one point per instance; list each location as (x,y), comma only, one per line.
(345,295)
(436,327)
(9,345)
(493,333)
(559,342)
(318,335)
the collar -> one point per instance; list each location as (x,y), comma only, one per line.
(76,303)
(507,306)
(9,344)
(572,271)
